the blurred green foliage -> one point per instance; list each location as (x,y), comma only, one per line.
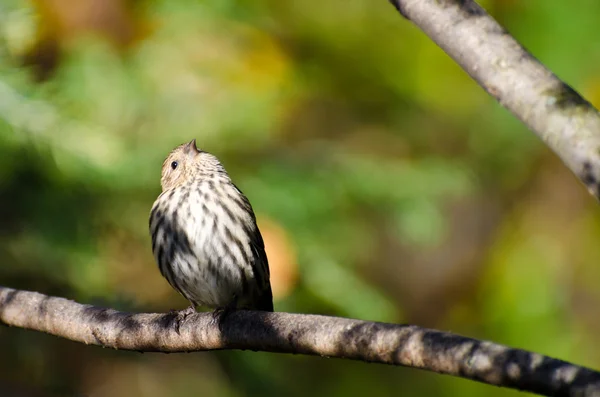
(388,185)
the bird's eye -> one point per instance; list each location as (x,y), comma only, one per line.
(174,164)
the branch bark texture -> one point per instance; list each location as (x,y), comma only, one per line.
(405,345)
(565,121)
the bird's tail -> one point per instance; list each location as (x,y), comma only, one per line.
(264,301)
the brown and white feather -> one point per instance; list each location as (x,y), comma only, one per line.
(204,235)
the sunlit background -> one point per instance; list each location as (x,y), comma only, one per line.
(387,184)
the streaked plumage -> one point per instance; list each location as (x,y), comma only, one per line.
(204,235)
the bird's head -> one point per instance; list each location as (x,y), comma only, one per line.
(186,164)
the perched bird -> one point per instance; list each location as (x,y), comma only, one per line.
(204,235)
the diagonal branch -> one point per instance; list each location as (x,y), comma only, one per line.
(565,121)
(405,345)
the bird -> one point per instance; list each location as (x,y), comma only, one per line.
(205,238)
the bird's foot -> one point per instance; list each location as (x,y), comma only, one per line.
(218,314)
(181,315)
(221,312)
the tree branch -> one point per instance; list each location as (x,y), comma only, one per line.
(565,121)
(405,345)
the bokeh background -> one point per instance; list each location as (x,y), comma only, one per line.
(387,184)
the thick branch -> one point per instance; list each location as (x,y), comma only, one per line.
(405,345)
(565,121)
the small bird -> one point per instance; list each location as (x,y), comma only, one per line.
(204,235)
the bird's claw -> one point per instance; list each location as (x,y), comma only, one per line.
(217,315)
(181,315)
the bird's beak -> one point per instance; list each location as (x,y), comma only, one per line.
(191,147)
